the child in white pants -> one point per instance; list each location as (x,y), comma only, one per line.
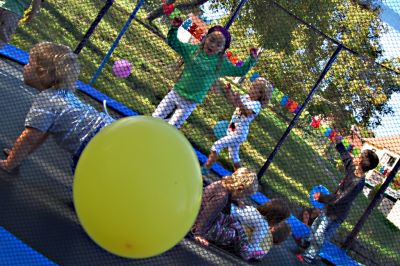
(248,106)
(204,64)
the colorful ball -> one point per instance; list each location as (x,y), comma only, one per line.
(137,187)
(122,68)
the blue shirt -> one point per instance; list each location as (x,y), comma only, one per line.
(62,114)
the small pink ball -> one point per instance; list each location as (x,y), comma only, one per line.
(122,68)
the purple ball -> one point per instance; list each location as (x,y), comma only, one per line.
(122,68)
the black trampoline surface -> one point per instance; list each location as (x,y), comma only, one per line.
(35,200)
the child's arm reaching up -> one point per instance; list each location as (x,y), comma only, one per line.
(27,142)
(184,49)
(228,69)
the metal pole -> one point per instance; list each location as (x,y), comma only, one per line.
(92,27)
(115,44)
(235,14)
(357,228)
(297,115)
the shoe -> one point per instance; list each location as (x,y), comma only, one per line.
(303,259)
(6,151)
(247,254)
(205,171)
(304,243)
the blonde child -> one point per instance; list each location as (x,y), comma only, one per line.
(204,64)
(214,222)
(248,106)
(11,11)
(53,70)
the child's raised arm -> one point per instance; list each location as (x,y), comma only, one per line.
(184,49)
(229,69)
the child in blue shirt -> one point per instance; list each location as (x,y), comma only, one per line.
(53,70)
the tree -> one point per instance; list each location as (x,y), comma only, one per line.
(356,89)
(299,37)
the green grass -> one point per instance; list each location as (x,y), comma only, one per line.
(300,164)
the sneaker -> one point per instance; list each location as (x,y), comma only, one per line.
(6,151)
(303,259)
(205,171)
(248,254)
(304,243)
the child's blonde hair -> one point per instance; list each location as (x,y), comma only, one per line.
(243,179)
(58,61)
(266,92)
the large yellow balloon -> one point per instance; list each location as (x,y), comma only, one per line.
(137,187)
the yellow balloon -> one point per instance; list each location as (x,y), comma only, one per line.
(137,187)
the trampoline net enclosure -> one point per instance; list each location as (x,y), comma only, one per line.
(334,67)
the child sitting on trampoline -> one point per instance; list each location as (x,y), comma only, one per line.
(11,11)
(53,70)
(248,106)
(214,222)
(204,64)
(265,225)
(339,203)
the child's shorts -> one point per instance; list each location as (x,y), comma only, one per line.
(8,25)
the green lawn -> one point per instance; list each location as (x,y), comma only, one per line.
(296,169)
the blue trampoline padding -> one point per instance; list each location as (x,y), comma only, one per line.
(15,53)
(336,255)
(14,252)
(110,101)
(329,251)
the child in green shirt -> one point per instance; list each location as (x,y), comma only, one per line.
(11,11)
(204,64)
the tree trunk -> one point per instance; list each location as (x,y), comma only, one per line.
(158,12)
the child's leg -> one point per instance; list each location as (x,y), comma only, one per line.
(166,106)
(219,145)
(234,155)
(182,112)
(8,25)
(318,236)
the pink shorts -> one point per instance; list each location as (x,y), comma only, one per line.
(8,25)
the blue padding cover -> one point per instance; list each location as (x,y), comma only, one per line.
(14,252)
(336,255)
(15,54)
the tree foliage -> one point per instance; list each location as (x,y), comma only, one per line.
(298,37)
(356,88)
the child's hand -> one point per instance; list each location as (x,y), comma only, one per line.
(177,22)
(241,204)
(201,240)
(254,52)
(316,195)
(236,98)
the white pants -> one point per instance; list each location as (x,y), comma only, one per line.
(232,141)
(171,101)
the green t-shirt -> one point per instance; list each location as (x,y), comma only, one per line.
(16,6)
(200,71)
